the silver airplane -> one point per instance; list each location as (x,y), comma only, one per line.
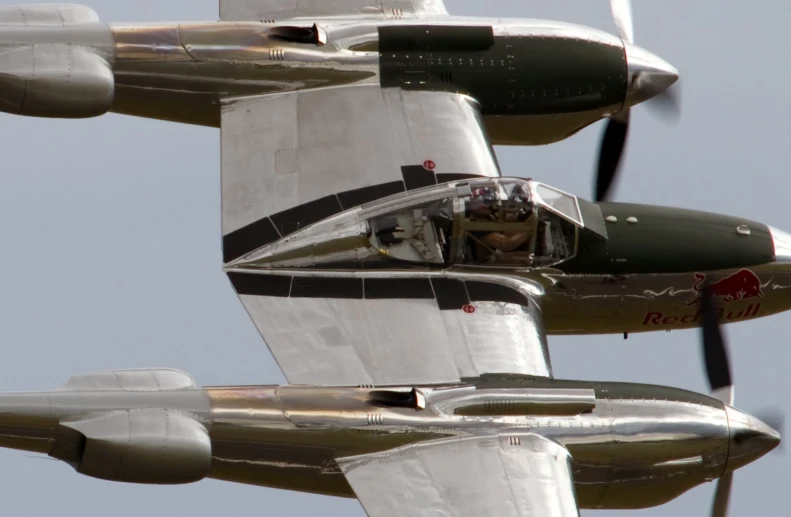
(509,445)
(336,90)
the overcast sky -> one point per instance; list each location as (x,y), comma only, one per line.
(111,248)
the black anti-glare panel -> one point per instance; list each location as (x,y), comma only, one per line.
(484,291)
(417,176)
(291,220)
(444,177)
(360,196)
(248,238)
(395,288)
(451,294)
(452,38)
(316,287)
(260,285)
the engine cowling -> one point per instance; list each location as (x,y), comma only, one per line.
(60,81)
(152,446)
(47,14)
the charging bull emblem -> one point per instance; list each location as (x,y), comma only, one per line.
(741,285)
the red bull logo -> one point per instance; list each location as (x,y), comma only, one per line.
(741,285)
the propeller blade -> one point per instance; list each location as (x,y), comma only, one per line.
(622,14)
(715,355)
(722,496)
(610,152)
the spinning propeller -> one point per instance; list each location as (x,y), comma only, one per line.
(649,79)
(718,371)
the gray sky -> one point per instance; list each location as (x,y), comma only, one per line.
(111,248)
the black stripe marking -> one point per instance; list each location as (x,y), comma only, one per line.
(450,293)
(318,287)
(360,196)
(248,238)
(260,285)
(270,229)
(416,176)
(448,38)
(486,292)
(291,220)
(398,288)
(444,177)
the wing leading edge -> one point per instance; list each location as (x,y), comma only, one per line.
(508,475)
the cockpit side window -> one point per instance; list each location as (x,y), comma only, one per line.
(503,226)
(499,226)
(558,201)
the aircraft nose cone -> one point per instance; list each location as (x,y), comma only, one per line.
(648,74)
(750,439)
(782,245)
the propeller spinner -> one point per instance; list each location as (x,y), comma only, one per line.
(649,79)
(747,433)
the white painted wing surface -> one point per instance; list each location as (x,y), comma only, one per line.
(292,159)
(443,330)
(507,475)
(255,10)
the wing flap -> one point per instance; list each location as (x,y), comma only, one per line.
(509,475)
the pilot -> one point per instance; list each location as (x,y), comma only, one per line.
(505,247)
(483,204)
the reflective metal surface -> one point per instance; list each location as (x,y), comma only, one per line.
(183,71)
(750,438)
(630,445)
(649,75)
(782,245)
(347,328)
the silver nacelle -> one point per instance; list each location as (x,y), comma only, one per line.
(55,61)
(161,438)
(155,446)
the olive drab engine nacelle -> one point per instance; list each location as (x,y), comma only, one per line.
(55,61)
(148,444)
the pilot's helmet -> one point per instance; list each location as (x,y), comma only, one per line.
(483,200)
(484,194)
(520,194)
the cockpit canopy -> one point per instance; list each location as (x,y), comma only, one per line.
(488,221)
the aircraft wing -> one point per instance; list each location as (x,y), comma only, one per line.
(385,328)
(508,475)
(260,10)
(292,159)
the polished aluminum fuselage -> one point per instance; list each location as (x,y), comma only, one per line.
(182,71)
(627,453)
(638,446)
